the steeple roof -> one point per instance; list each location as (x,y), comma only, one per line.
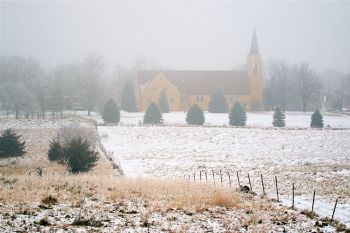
(254,49)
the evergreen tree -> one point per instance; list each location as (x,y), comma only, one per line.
(55,150)
(163,102)
(11,144)
(218,102)
(195,116)
(153,115)
(128,98)
(237,116)
(79,156)
(278,117)
(317,120)
(110,113)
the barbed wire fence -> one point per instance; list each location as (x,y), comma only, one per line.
(296,197)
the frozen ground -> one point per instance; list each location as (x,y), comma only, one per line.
(312,159)
(254,119)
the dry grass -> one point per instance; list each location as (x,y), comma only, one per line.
(159,194)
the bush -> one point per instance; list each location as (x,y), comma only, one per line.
(153,115)
(278,117)
(79,156)
(128,98)
(55,150)
(218,102)
(110,113)
(237,116)
(195,116)
(11,144)
(316,120)
(71,130)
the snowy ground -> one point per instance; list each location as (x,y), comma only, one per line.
(254,119)
(312,159)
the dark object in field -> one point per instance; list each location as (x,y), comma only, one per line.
(245,189)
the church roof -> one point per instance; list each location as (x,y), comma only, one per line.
(201,82)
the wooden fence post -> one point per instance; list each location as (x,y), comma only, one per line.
(221,178)
(278,199)
(313,201)
(293,195)
(212,171)
(335,206)
(200,175)
(262,183)
(206,176)
(239,183)
(229,178)
(250,184)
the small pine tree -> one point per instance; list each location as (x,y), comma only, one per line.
(195,116)
(237,116)
(110,113)
(55,150)
(278,117)
(153,115)
(11,144)
(128,98)
(317,120)
(218,102)
(79,156)
(163,102)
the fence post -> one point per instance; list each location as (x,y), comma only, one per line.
(278,199)
(293,196)
(221,178)
(313,201)
(262,183)
(194,177)
(212,171)
(206,176)
(335,206)
(250,184)
(229,178)
(200,175)
(239,183)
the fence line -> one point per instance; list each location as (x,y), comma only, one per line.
(291,198)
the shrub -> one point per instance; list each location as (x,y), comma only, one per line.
(110,113)
(278,117)
(316,120)
(79,156)
(218,102)
(153,115)
(163,102)
(237,116)
(71,130)
(11,144)
(128,98)
(195,116)
(55,150)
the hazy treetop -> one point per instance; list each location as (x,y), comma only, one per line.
(181,35)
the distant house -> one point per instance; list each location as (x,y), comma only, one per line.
(187,87)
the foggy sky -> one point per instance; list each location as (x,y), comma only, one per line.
(179,35)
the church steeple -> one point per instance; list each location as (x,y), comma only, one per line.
(254,49)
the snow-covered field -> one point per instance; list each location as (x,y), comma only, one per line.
(312,159)
(254,119)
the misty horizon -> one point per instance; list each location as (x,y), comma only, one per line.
(178,35)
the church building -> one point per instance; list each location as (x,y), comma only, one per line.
(185,88)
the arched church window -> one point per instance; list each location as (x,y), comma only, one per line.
(254,67)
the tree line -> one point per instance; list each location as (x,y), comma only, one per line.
(27,90)
(297,87)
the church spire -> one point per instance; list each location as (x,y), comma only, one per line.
(254,49)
